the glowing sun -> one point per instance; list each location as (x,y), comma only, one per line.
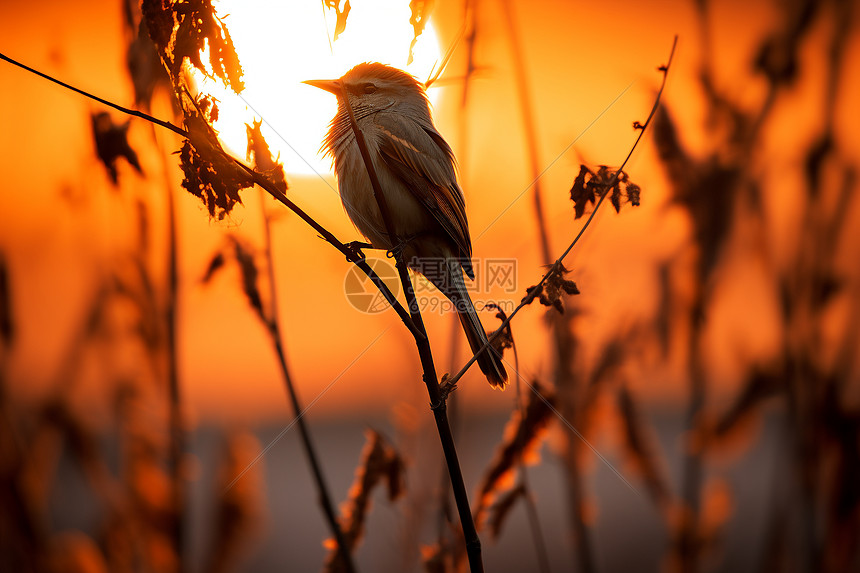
(281,43)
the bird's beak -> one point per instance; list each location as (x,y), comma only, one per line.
(331,86)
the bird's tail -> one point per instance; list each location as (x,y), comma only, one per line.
(489,362)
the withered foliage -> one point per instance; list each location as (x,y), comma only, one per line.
(724,191)
(141,58)
(250,277)
(111,141)
(550,292)
(341,9)
(706,188)
(210,174)
(246,259)
(182,28)
(380,463)
(502,508)
(420,11)
(778,55)
(264,164)
(590,185)
(522,439)
(215,264)
(505,339)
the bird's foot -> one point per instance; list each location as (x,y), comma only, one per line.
(354,249)
(446,387)
(396,252)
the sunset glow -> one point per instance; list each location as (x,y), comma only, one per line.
(281,44)
(197,373)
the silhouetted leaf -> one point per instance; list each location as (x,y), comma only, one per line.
(550,293)
(210,173)
(420,13)
(250,277)
(342,12)
(579,194)
(778,55)
(589,186)
(182,28)
(111,141)
(159,18)
(258,150)
(502,508)
(522,438)
(706,189)
(216,264)
(505,339)
(142,60)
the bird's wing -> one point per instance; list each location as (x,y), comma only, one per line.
(425,164)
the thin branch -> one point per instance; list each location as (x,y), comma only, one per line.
(557,265)
(177,427)
(135,113)
(274,327)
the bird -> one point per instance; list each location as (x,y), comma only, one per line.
(417,173)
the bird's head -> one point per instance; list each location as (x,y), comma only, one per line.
(375,87)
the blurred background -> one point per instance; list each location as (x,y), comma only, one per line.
(704,385)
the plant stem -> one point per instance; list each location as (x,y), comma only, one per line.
(273,325)
(134,112)
(528,299)
(177,433)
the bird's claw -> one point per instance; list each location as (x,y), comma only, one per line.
(396,252)
(446,386)
(354,250)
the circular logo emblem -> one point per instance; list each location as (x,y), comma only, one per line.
(360,291)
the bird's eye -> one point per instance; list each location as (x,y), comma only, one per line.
(369,88)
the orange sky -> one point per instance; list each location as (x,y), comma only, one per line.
(581,56)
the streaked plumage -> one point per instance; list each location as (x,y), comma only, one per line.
(415,166)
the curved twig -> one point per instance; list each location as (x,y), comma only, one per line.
(557,264)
